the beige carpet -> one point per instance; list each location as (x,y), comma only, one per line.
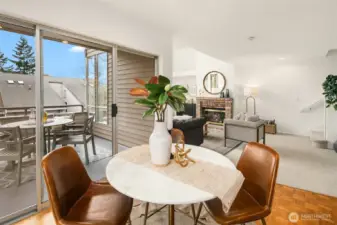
(301,165)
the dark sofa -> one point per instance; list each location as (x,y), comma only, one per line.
(193,130)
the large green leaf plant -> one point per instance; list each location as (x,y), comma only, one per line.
(158,93)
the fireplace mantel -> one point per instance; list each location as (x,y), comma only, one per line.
(225,104)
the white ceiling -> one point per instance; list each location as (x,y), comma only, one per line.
(284,28)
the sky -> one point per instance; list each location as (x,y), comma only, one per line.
(60,60)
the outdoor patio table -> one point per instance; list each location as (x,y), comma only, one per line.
(146,184)
(31,124)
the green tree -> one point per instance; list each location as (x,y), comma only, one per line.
(3,62)
(24,59)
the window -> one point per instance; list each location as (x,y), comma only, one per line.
(91,85)
(98,85)
(102,89)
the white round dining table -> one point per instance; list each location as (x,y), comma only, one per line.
(145,184)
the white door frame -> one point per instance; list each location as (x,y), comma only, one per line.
(41,29)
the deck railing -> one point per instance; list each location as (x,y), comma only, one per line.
(25,109)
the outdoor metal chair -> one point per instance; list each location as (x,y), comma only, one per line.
(78,135)
(13,147)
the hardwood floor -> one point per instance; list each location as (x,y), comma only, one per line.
(286,200)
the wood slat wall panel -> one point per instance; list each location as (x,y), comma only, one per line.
(137,65)
(133,111)
(132,129)
(136,71)
(136,126)
(133,132)
(134,116)
(126,95)
(143,75)
(128,143)
(130,105)
(126,86)
(129,81)
(136,121)
(132,137)
(126,100)
(124,55)
(124,62)
(123,91)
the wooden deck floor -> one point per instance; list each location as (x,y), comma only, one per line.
(309,207)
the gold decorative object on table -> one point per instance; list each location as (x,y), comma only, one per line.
(180,155)
(45,117)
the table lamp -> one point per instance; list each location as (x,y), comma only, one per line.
(250,93)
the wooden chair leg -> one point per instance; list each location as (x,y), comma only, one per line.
(93,145)
(19,172)
(198,214)
(146,212)
(263,221)
(86,153)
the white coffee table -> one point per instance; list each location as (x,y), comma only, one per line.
(145,184)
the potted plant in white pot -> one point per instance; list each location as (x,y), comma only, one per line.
(330,94)
(157,94)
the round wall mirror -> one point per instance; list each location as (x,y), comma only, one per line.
(214,82)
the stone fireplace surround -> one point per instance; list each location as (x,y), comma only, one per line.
(223,104)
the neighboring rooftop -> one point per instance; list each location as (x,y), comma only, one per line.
(21,92)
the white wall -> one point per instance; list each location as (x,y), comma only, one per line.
(205,64)
(189,64)
(285,88)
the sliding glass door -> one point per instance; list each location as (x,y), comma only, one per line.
(19,123)
(46,76)
(76,83)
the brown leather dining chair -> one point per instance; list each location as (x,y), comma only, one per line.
(259,165)
(75,199)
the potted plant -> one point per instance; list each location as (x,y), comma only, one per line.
(330,93)
(157,94)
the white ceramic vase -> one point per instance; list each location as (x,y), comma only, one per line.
(160,144)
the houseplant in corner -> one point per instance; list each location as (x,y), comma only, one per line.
(330,91)
(157,94)
(330,94)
